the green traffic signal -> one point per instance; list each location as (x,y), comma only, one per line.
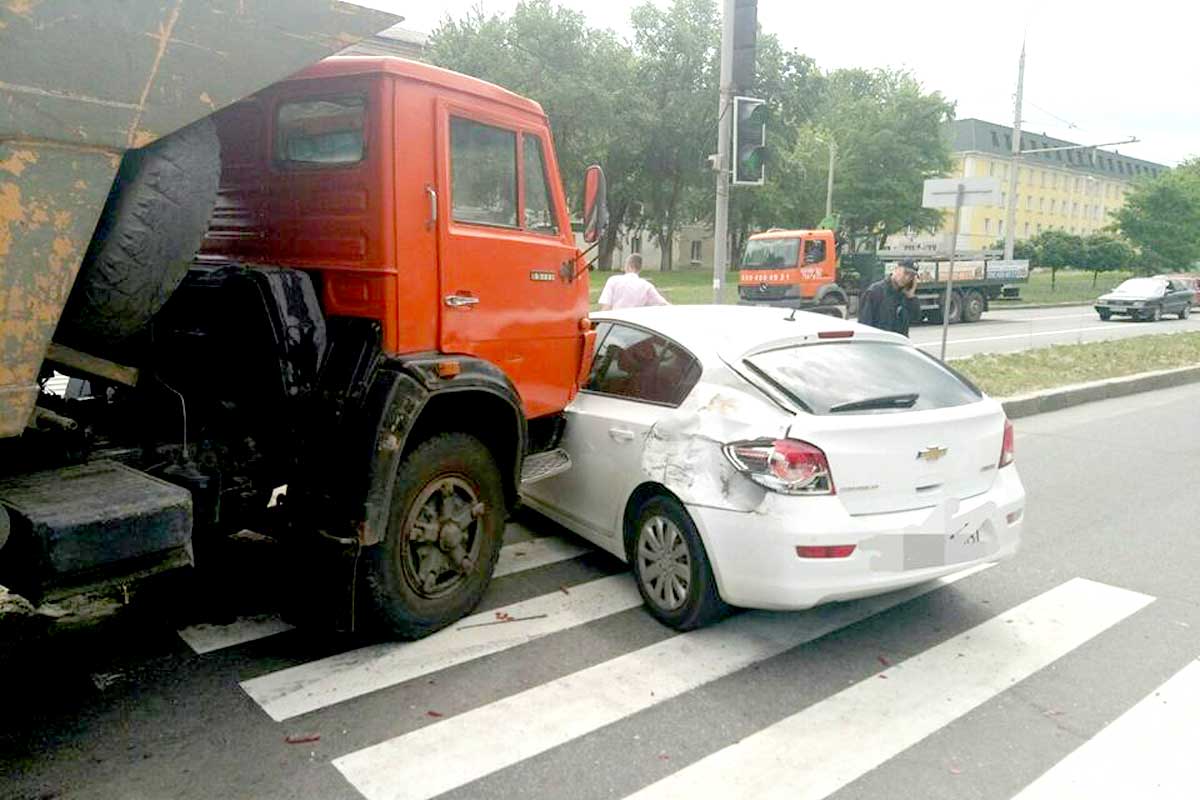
(749,140)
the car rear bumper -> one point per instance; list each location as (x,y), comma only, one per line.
(756,565)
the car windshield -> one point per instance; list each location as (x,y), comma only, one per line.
(861,378)
(1141,286)
(771,253)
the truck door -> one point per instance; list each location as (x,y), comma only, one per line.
(503,241)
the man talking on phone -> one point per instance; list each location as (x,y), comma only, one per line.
(891,304)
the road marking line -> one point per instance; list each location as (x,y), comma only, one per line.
(517,557)
(464,748)
(819,750)
(1021,335)
(536,553)
(317,684)
(1148,752)
(208,638)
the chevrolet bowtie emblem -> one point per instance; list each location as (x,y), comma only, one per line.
(931,454)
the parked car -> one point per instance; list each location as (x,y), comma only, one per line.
(1188,282)
(1146,299)
(759,457)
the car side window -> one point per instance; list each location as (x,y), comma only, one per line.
(814,251)
(483,173)
(320,132)
(639,365)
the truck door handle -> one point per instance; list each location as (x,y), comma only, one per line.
(432,220)
(460,300)
(621,434)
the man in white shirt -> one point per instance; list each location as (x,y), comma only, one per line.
(630,289)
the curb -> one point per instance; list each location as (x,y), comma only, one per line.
(1025,405)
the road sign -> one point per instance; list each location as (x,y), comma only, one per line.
(942,192)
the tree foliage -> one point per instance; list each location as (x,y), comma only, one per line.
(1161,217)
(645,109)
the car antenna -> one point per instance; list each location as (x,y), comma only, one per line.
(792,316)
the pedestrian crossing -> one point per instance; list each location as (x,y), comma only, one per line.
(812,750)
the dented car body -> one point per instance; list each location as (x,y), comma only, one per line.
(816,460)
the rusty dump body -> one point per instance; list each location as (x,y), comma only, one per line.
(80,83)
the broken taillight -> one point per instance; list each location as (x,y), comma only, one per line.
(789,466)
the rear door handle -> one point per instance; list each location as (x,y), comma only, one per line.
(460,300)
(621,434)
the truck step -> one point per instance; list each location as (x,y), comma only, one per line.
(90,517)
(540,466)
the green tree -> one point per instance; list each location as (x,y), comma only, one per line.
(1161,217)
(1104,252)
(1057,249)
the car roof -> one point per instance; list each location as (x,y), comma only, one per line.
(731,332)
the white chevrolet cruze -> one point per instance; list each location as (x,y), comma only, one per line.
(770,459)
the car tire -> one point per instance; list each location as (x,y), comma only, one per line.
(152,224)
(1105,316)
(664,536)
(1185,312)
(972,306)
(1156,314)
(447,487)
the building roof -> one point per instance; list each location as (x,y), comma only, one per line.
(976,135)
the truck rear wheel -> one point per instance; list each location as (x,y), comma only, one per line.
(972,306)
(152,224)
(443,538)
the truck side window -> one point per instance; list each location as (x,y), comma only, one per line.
(540,215)
(325,131)
(814,251)
(483,173)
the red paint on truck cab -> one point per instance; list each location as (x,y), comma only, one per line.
(424,199)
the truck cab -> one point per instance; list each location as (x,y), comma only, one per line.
(794,268)
(363,355)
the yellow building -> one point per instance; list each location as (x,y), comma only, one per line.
(1071,190)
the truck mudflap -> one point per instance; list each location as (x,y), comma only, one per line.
(132,77)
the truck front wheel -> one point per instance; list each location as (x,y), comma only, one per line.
(443,538)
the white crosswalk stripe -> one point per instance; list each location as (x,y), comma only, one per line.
(518,557)
(308,687)
(827,745)
(449,754)
(1147,753)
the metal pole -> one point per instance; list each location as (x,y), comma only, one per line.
(1011,217)
(829,185)
(958,198)
(721,224)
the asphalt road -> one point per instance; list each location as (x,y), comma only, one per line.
(997,685)
(1009,330)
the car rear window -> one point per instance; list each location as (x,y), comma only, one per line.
(825,376)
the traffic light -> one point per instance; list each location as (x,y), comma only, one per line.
(749,140)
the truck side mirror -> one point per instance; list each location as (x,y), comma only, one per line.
(595,204)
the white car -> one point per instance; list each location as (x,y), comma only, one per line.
(770,459)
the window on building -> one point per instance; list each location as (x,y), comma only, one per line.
(992,168)
(1008,141)
(696,249)
(1000,227)
(635,244)
(1058,154)
(1004,199)
(987,225)
(1041,204)
(1052,204)
(1026,228)
(1074,209)
(995,140)
(1043,179)
(1029,202)
(483,173)
(1079,184)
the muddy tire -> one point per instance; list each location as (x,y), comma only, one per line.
(152,224)
(972,306)
(448,506)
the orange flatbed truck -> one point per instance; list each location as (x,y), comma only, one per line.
(359,283)
(802,269)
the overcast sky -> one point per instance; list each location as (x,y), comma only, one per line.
(1095,72)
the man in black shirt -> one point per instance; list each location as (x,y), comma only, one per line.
(891,303)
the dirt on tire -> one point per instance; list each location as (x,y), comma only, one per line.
(152,224)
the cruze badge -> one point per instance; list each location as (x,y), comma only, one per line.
(931,454)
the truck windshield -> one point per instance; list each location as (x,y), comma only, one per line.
(863,378)
(771,254)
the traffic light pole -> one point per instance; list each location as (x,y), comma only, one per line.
(724,132)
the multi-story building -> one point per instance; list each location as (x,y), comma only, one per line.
(1071,190)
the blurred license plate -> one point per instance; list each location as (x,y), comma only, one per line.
(965,544)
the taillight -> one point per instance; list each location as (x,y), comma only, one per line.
(783,465)
(1007,450)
